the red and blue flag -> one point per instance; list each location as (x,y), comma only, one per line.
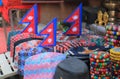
(50,34)
(76,22)
(31,20)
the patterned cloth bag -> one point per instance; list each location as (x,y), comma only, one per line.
(43,65)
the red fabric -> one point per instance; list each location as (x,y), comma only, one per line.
(5,13)
(12,4)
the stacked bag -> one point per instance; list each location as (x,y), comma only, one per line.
(115,62)
(112,37)
(100,65)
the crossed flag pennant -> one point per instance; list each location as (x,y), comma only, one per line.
(75,19)
(50,31)
(31,19)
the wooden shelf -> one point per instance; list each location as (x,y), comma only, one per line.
(42,1)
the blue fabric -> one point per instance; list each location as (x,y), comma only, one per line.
(1,3)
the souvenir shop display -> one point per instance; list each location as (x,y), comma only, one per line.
(72,52)
(100,65)
(115,62)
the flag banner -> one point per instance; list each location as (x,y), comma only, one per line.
(31,20)
(50,33)
(75,19)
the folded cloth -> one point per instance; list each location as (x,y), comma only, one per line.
(42,66)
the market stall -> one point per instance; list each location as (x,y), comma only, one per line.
(64,47)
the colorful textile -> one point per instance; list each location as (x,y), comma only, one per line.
(24,54)
(27,45)
(42,66)
(20,38)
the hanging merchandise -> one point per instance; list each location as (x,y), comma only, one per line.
(100,65)
(43,65)
(115,62)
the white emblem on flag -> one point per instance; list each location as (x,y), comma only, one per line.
(49,30)
(75,17)
(30,29)
(30,17)
(74,29)
(49,40)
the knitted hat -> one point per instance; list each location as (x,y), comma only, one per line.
(42,66)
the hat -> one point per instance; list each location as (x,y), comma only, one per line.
(72,68)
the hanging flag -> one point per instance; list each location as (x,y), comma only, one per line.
(31,20)
(50,32)
(75,19)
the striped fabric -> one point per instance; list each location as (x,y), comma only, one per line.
(42,66)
